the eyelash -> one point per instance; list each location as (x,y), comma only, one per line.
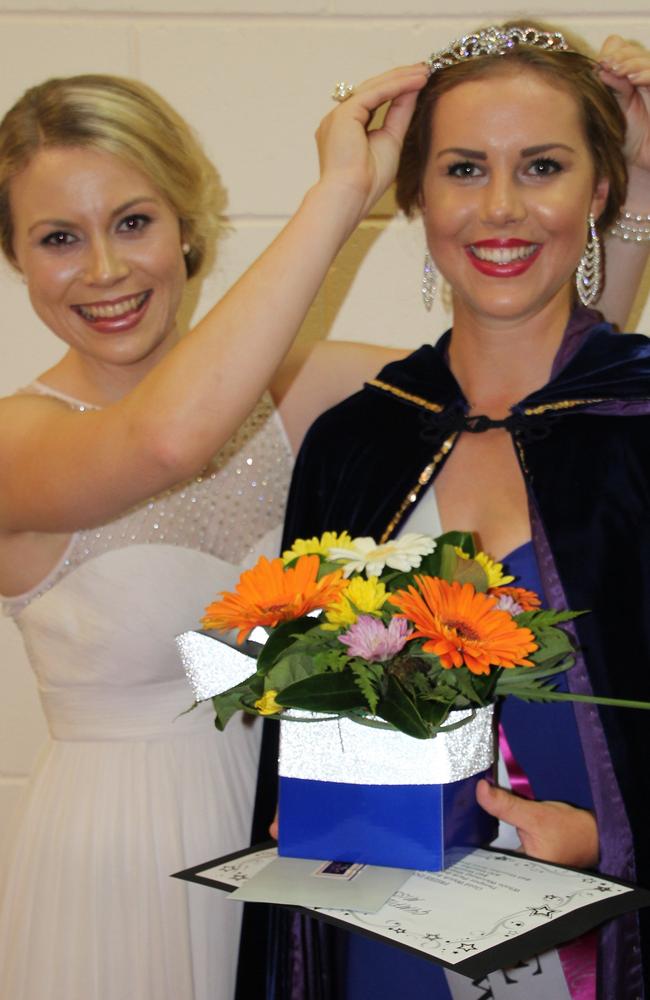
(57,239)
(130,224)
(140,218)
(464,169)
(467,169)
(550,166)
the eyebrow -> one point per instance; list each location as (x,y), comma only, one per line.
(477,154)
(63,223)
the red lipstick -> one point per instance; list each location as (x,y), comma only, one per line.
(503,258)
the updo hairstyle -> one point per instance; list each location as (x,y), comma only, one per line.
(603,121)
(123,117)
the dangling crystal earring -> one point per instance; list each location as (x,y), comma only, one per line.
(429,282)
(588,275)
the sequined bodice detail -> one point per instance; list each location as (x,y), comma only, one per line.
(225,511)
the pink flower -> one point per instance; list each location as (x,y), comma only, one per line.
(370,639)
(508,603)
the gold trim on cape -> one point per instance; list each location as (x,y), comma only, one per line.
(427,472)
(407,396)
(563,404)
(423,479)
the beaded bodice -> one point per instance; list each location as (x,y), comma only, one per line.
(225,511)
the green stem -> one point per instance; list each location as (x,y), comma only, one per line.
(590,699)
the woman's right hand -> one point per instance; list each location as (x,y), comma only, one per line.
(363,160)
(551,831)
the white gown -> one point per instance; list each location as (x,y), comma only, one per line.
(129,790)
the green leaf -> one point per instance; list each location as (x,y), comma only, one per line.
(549,694)
(397,708)
(280,639)
(236,699)
(519,678)
(469,571)
(454,567)
(323,693)
(368,678)
(458,539)
(433,712)
(544,618)
(553,645)
(331,660)
(328,567)
(459,723)
(288,669)
(464,681)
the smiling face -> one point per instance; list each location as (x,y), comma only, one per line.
(506,194)
(100,250)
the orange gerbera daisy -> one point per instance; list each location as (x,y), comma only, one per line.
(527,600)
(271,593)
(463,626)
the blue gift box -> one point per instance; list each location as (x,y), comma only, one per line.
(350,792)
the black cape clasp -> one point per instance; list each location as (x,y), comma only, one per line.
(525,427)
(479,422)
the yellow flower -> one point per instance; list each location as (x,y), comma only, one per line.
(267,705)
(321,546)
(360,597)
(493,570)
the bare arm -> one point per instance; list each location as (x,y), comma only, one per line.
(626,68)
(61,470)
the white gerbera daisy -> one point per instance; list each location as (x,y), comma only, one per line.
(403,554)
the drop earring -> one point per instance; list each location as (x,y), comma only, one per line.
(588,275)
(429,282)
(185,247)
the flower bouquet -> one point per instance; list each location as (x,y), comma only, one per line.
(384,663)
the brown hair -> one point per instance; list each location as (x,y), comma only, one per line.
(602,118)
(129,120)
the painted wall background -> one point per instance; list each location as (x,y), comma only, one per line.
(253,77)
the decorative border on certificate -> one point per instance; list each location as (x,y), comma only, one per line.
(490,910)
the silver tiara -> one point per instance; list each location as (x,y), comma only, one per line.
(494,42)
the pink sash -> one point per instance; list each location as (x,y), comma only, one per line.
(578,957)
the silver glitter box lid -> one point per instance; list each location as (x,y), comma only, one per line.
(342,750)
(319,748)
(213,664)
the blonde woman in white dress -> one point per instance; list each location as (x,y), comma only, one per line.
(117,521)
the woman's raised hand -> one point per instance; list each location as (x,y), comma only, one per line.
(60,472)
(625,67)
(360,159)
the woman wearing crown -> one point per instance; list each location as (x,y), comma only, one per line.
(528,423)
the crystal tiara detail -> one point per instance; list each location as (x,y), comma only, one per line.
(494,42)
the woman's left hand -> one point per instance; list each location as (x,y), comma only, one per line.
(550,831)
(625,67)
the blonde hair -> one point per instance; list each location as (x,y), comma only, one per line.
(129,120)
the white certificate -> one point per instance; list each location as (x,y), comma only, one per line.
(488,911)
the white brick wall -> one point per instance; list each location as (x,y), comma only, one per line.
(253,77)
